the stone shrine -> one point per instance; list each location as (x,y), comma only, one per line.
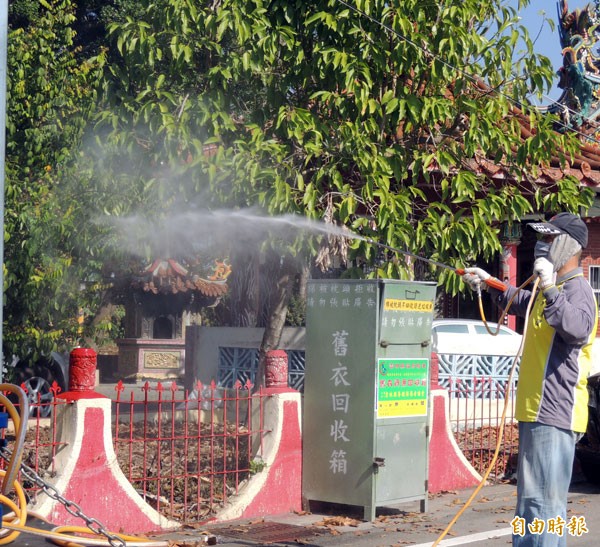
(165,298)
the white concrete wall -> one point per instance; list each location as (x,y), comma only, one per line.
(474,413)
(202,347)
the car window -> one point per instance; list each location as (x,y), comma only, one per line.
(480,329)
(462,329)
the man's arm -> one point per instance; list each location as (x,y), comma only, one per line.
(572,312)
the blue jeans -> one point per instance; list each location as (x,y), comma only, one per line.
(544,474)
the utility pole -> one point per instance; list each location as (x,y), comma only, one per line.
(3,56)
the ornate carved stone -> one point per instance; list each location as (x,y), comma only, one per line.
(161,359)
(82,369)
(276,369)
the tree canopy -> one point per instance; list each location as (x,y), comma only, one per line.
(50,98)
(370,114)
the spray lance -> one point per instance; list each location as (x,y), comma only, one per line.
(490,282)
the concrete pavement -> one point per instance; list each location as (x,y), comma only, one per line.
(485,522)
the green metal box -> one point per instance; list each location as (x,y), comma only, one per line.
(366,392)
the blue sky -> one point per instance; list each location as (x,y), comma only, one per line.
(548,43)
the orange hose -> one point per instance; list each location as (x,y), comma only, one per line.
(505,408)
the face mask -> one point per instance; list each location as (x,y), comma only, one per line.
(541,249)
(562,249)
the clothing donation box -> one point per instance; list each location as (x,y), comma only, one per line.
(366,392)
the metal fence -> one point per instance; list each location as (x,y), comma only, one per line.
(475,410)
(240,364)
(188,452)
(41,444)
(467,372)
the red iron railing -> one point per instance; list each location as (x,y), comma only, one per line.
(475,409)
(187,453)
(41,444)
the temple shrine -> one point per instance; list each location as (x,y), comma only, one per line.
(165,298)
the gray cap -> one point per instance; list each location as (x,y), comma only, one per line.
(564,223)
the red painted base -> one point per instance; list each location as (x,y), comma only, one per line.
(94,487)
(447,469)
(282,491)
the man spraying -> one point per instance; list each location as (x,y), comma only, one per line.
(552,396)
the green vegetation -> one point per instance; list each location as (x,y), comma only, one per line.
(294,107)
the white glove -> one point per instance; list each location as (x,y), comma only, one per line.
(544,269)
(475,278)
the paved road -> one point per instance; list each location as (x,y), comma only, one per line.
(486,522)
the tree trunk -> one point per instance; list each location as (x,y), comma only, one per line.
(270,273)
(303,281)
(244,289)
(104,313)
(276,320)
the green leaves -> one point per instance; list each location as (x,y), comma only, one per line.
(51,94)
(317,109)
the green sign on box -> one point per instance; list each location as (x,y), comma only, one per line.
(402,387)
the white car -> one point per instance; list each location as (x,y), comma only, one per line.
(470,337)
(464,353)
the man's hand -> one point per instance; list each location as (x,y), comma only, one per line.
(544,269)
(475,278)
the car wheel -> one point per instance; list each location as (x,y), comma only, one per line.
(37,381)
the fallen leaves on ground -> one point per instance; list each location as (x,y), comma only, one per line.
(205,540)
(479,444)
(338,521)
(186,478)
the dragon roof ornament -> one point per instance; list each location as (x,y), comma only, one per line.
(169,276)
(579,76)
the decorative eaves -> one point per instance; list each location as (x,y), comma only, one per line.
(167,276)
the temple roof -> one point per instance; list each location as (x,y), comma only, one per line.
(585,168)
(579,105)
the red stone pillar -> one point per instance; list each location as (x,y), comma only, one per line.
(510,239)
(82,375)
(280,450)
(508,271)
(82,369)
(448,467)
(276,370)
(87,469)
